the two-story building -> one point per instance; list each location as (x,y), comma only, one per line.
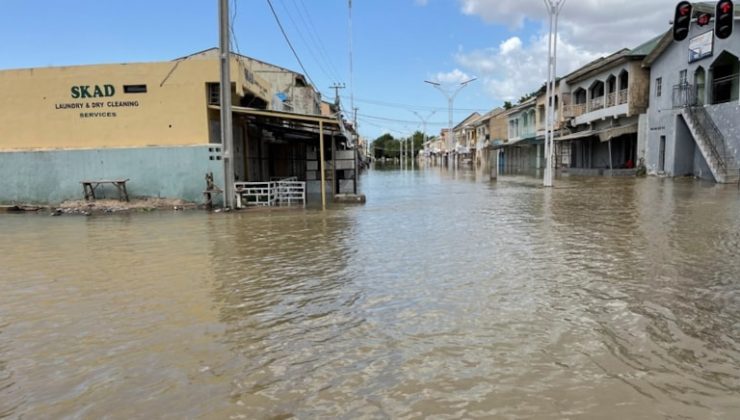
(605,100)
(466,137)
(519,153)
(694,114)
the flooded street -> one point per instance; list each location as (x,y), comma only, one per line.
(445,296)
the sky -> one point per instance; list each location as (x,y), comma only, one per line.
(396,44)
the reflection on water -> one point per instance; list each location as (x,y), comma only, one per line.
(447,295)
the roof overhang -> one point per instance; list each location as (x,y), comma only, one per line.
(605,134)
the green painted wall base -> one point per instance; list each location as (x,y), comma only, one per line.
(50,177)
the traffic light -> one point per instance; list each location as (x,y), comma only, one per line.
(682,21)
(724,19)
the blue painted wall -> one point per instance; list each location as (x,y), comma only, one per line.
(51,177)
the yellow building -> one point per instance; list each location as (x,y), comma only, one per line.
(156,124)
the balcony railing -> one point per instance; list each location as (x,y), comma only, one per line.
(575,110)
(611,99)
(597,103)
(684,95)
(622,98)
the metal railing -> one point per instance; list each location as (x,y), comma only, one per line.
(254,194)
(278,191)
(725,85)
(708,130)
(684,95)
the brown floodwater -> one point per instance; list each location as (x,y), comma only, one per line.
(445,296)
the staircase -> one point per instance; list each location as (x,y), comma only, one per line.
(712,145)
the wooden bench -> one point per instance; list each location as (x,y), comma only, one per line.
(89,187)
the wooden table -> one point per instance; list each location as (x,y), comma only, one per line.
(89,187)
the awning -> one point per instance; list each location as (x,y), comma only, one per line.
(604,134)
(614,132)
(578,135)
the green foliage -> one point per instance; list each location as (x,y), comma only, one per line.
(390,147)
(386,146)
(508,105)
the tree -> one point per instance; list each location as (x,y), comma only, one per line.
(386,146)
(508,105)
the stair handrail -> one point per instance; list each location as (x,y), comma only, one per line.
(711,132)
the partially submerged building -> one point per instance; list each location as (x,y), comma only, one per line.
(606,99)
(158,125)
(694,115)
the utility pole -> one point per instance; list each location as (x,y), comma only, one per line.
(424,127)
(553,8)
(336,87)
(450,95)
(227,131)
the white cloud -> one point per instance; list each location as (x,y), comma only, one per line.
(514,69)
(511,44)
(454,76)
(588,29)
(591,24)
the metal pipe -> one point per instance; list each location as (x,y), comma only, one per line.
(227,131)
(321,165)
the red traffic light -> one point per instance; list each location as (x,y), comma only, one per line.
(703,19)
(682,20)
(724,19)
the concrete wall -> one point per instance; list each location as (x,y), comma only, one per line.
(683,150)
(727,118)
(661,115)
(54,176)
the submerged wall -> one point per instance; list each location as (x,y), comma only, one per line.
(50,177)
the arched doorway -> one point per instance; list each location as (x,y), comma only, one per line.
(724,73)
(700,81)
(597,95)
(611,90)
(624,80)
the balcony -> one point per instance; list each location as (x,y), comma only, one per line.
(611,99)
(597,103)
(622,98)
(575,110)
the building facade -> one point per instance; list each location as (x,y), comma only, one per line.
(694,115)
(158,125)
(606,100)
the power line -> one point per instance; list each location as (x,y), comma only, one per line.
(308,45)
(308,21)
(285,35)
(408,107)
(399,120)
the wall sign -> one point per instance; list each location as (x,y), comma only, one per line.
(701,46)
(95,108)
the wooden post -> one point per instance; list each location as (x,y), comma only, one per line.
(321,165)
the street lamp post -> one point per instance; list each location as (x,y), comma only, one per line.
(553,8)
(424,133)
(450,95)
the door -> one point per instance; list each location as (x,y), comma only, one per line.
(661,155)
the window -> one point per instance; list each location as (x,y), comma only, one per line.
(658,86)
(134,88)
(682,78)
